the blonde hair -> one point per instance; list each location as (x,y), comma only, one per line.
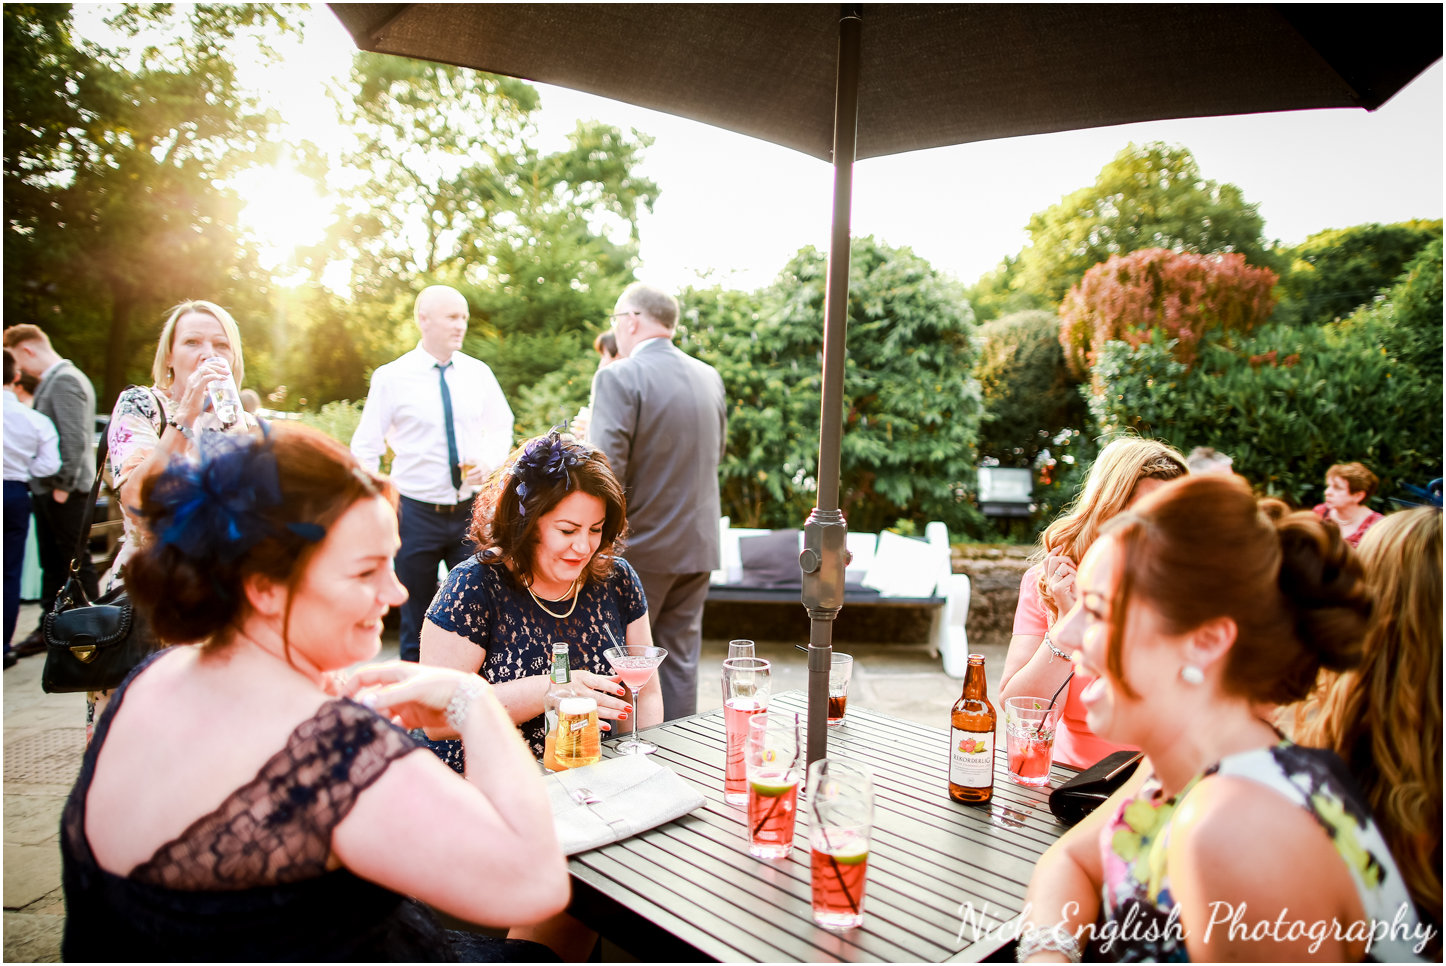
(1111,482)
(1384,718)
(161,368)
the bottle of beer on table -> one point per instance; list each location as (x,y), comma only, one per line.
(573,737)
(971,739)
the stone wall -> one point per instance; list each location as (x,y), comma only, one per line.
(994,575)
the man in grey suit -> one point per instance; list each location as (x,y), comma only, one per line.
(661,418)
(66,396)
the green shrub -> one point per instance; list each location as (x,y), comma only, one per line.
(1334,272)
(1285,403)
(911,404)
(1029,394)
(336,419)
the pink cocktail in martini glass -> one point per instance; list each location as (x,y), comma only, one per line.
(635,664)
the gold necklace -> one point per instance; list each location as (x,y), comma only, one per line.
(538,600)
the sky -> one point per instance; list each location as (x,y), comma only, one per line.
(733,209)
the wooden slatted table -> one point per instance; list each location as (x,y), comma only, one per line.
(689,890)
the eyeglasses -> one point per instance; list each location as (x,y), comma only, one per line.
(622,315)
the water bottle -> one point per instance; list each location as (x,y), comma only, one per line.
(225,397)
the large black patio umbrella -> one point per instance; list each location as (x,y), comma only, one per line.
(873,79)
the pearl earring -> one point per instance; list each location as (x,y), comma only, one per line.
(1192,674)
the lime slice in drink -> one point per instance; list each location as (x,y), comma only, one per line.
(771,786)
(851,853)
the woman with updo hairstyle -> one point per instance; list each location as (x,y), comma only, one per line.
(248,797)
(1384,717)
(1126,470)
(1195,610)
(550,525)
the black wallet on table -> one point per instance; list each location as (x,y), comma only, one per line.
(1086,791)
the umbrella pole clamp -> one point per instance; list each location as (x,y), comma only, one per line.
(823,560)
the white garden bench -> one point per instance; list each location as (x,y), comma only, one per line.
(887,570)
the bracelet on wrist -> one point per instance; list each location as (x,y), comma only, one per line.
(1054,651)
(175,424)
(1048,939)
(467,692)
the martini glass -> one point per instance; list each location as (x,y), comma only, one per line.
(635,663)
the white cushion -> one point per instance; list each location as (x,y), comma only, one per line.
(905,567)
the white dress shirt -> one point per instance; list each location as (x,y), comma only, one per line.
(32,446)
(404,411)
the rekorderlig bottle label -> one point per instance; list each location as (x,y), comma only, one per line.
(971,758)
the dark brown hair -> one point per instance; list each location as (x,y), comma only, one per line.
(505,526)
(606,344)
(191,595)
(1358,479)
(1203,547)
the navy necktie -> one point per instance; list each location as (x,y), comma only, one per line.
(452,457)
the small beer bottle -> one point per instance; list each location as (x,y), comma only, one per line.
(561,675)
(971,739)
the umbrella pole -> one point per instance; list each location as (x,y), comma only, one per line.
(824,556)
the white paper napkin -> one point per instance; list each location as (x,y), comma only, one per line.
(623,796)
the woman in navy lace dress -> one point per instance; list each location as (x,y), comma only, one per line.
(243,799)
(550,525)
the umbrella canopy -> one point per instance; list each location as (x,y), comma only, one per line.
(929,75)
(874,79)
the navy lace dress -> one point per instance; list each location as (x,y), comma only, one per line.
(487,605)
(249,881)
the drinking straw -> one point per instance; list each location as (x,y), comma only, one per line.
(1056,695)
(610,635)
(764,820)
(837,874)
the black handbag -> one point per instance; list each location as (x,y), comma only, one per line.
(92,646)
(1088,790)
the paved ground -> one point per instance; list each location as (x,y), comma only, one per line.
(44,734)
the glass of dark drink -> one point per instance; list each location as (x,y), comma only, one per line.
(839,672)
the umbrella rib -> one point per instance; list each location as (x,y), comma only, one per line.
(374,34)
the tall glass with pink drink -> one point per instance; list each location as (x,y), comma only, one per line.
(774,756)
(746,684)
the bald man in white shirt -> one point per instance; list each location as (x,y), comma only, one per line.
(448,424)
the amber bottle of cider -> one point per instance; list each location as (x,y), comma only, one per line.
(971,739)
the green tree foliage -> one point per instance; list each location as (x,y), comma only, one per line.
(1150,196)
(1029,394)
(1285,402)
(1184,296)
(911,407)
(555,399)
(1332,272)
(996,295)
(1411,318)
(112,165)
(452,190)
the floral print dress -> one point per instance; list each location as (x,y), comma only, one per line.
(1140,916)
(135,428)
